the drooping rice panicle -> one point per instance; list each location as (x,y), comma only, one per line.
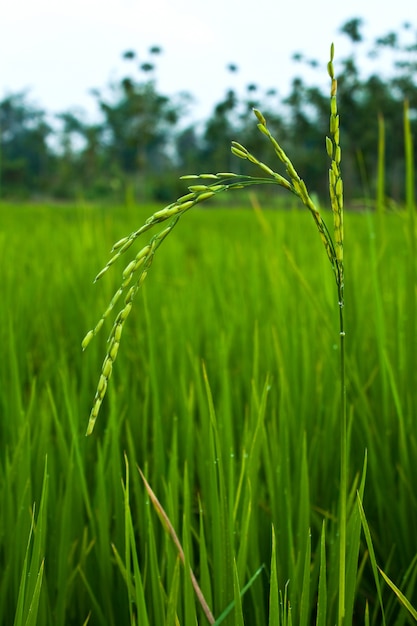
(137,269)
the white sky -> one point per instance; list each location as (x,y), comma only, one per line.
(61,49)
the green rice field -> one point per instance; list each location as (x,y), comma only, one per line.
(226,395)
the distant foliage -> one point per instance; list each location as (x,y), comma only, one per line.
(25,155)
(143,140)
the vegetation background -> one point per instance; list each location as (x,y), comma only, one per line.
(142,140)
(226,393)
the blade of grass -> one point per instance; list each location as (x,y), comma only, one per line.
(353,546)
(19,620)
(136,594)
(380,190)
(127,538)
(221,516)
(404,601)
(246,588)
(237,598)
(367,614)
(274,613)
(189,603)
(97,610)
(205,580)
(322,591)
(133,582)
(305,589)
(32,617)
(32,574)
(171,617)
(371,556)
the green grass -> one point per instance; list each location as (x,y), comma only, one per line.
(226,394)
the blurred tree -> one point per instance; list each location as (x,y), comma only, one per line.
(220,130)
(188,146)
(351,28)
(139,124)
(81,166)
(25,156)
(142,139)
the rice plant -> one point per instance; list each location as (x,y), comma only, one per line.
(210,185)
(135,273)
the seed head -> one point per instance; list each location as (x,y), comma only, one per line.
(260,117)
(87,339)
(113,350)
(329,147)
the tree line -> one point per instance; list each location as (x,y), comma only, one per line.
(141,142)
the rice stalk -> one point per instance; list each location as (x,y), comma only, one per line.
(380,190)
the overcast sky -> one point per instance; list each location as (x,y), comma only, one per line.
(59,50)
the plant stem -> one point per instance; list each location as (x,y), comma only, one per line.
(343,462)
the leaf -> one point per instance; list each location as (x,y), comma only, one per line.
(406,603)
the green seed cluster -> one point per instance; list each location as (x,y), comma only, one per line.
(134,275)
(335,176)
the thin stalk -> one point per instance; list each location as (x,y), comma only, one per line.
(411,233)
(343,464)
(336,198)
(380,192)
